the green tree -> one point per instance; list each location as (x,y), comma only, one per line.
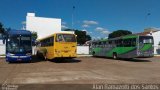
(82,36)
(119,33)
(34,35)
(88,37)
(1,28)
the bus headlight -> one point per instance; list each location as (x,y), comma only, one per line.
(10,54)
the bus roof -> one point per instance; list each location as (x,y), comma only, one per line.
(22,32)
(130,36)
(121,37)
(126,37)
(53,35)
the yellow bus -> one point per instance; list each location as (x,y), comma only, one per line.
(58,45)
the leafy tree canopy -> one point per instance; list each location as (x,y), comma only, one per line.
(119,33)
(82,36)
(34,35)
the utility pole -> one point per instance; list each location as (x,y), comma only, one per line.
(73,17)
(147,19)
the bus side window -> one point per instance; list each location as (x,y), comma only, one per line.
(127,42)
(47,42)
(102,44)
(134,42)
(52,41)
(119,43)
(42,43)
(96,44)
(106,45)
(116,42)
(93,44)
(38,44)
(99,44)
(124,43)
(110,42)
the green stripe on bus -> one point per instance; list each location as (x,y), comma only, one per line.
(146,47)
(120,50)
(97,50)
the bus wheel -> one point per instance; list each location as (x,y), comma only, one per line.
(93,53)
(10,62)
(114,55)
(37,55)
(44,56)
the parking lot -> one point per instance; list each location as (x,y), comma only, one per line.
(82,70)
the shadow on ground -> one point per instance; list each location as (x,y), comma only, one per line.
(135,60)
(65,60)
(124,59)
(36,60)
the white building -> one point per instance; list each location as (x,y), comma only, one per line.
(43,26)
(156,37)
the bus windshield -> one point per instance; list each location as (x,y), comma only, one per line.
(19,44)
(66,38)
(145,39)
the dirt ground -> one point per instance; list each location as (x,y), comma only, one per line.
(82,70)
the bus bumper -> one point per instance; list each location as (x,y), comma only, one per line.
(145,55)
(18,58)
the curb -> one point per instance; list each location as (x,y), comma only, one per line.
(2,56)
(156,55)
(84,55)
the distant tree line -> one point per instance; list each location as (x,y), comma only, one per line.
(119,33)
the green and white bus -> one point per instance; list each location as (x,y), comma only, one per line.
(129,46)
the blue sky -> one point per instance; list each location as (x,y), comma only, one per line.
(97,17)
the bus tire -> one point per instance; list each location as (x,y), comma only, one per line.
(44,57)
(10,62)
(93,53)
(115,55)
(37,55)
